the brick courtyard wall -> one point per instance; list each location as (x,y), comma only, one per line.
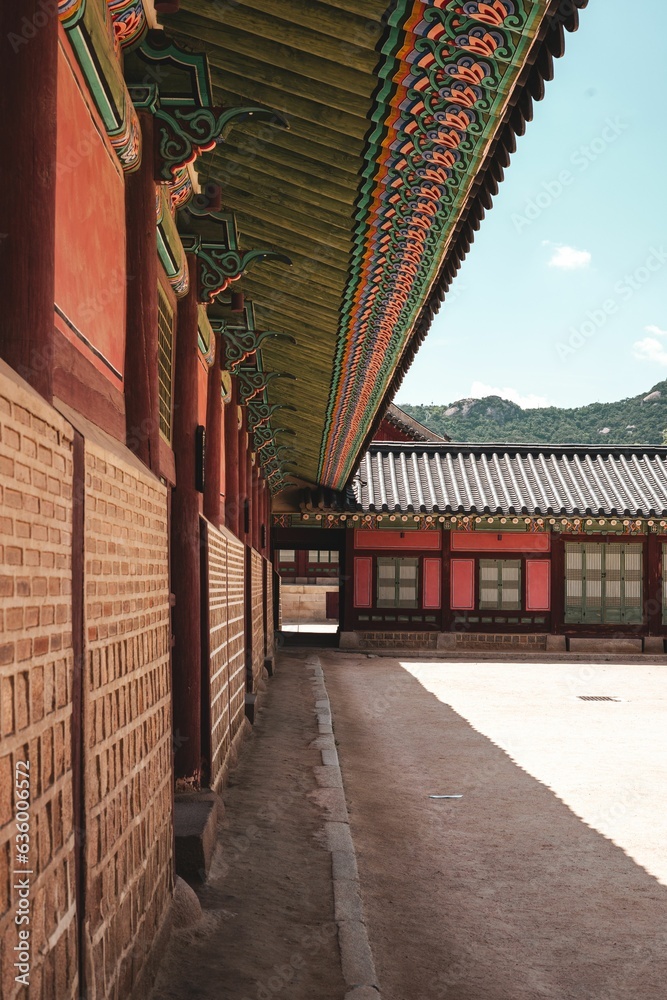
(36,670)
(127,736)
(226,622)
(236,631)
(270,626)
(257,605)
(219,657)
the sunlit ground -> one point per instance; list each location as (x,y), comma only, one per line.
(606,760)
(310,627)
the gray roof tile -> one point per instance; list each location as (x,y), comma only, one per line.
(513,479)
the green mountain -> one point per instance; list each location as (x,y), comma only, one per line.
(638,420)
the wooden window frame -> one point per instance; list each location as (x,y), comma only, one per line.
(604,543)
(396,560)
(499,606)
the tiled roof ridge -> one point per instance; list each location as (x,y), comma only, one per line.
(396,415)
(527,448)
(537,479)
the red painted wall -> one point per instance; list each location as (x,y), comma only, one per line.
(462,585)
(363,581)
(538,584)
(432,572)
(382,540)
(202,389)
(483,541)
(90,272)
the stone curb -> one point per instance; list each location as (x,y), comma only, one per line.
(355,951)
(428,655)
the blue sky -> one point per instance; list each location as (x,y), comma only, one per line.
(563,297)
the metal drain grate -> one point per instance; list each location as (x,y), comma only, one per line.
(596,697)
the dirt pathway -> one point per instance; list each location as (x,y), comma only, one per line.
(268,931)
(505,894)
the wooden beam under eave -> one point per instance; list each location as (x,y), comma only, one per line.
(319,296)
(374,10)
(310,117)
(248,194)
(313,386)
(272,314)
(361,34)
(289,310)
(308,424)
(300,139)
(248,183)
(291,153)
(288,314)
(292,55)
(257,233)
(313,147)
(289,217)
(285,303)
(323,307)
(311,355)
(320,340)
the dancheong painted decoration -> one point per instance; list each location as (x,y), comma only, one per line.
(448,70)
(401,120)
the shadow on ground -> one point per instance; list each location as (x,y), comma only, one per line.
(504,894)
(268,931)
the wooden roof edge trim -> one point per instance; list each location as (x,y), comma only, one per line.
(503,146)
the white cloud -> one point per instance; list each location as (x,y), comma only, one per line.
(569,259)
(650,348)
(527,402)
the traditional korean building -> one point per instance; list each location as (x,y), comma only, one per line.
(310,581)
(452,547)
(224,231)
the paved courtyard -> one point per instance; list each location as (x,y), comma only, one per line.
(548,877)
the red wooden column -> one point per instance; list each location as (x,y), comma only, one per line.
(142,417)
(28,118)
(232,460)
(214,441)
(256,514)
(557,583)
(653,599)
(185,547)
(248,484)
(223,463)
(243,475)
(264,506)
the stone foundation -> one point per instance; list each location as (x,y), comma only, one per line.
(484,641)
(389,640)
